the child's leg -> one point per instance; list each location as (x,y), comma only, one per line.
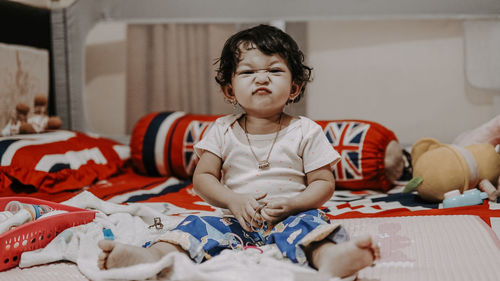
(115,254)
(308,237)
(344,259)
(212,233)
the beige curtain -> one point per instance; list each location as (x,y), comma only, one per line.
(171,67)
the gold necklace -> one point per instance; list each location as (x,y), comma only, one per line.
(264,164)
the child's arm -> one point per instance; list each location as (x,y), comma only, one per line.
(321,185)
(206,183)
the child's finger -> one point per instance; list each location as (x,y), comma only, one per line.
(251,207)
(265,216)
(253,204)
(260,195)
(272,212)
(243,223)
(275,205)
(268,218)
(252,214)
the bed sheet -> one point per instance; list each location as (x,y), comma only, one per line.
(181,199)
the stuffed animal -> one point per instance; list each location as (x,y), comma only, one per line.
(439,168)
(39,121)
(488,132)
(15,123)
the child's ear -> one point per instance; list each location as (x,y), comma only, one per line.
(228,93)
(295,91)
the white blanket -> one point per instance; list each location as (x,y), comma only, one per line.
(130,224)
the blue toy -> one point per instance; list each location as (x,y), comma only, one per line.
(468,198)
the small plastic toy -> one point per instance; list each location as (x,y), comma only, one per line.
(22,213)
(157,223)
(36,211)
(108,234)
(468,198)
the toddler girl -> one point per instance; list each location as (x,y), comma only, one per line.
(267,171)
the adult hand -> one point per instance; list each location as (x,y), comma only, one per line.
(245,208)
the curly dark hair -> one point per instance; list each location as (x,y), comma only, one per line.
(269,40)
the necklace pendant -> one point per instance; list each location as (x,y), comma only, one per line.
(263,165)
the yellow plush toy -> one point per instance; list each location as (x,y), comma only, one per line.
(439,168)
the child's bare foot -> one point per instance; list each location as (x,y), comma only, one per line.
(115,254)
(344,259)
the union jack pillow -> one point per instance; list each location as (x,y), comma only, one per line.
(362,145)
(58,160)
(162,145)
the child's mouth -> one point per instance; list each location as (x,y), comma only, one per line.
(261,91)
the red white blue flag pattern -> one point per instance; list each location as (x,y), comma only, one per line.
(348,138)
(193,134)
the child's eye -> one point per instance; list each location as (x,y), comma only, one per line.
(246,72)
(275,70)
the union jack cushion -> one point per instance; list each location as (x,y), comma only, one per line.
(58,160)
(162,145)
(362,146)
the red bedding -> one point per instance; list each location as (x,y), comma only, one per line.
(130,187)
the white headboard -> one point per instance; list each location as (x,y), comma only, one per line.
(71,24)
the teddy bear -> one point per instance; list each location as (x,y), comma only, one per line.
(20,118)
(470,161)
(38,122)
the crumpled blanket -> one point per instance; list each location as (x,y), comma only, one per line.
(130,224)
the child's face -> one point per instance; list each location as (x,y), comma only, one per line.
(262,84)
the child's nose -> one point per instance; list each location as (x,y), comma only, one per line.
(262,76)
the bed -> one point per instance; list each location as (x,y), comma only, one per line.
(138,194)
(141,188)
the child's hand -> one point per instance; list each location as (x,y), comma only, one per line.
(244,208)
(277,209)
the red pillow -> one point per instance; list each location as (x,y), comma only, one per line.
(59,160)
(162,145)
(362,145)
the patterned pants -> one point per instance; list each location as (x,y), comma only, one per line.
(205,237)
